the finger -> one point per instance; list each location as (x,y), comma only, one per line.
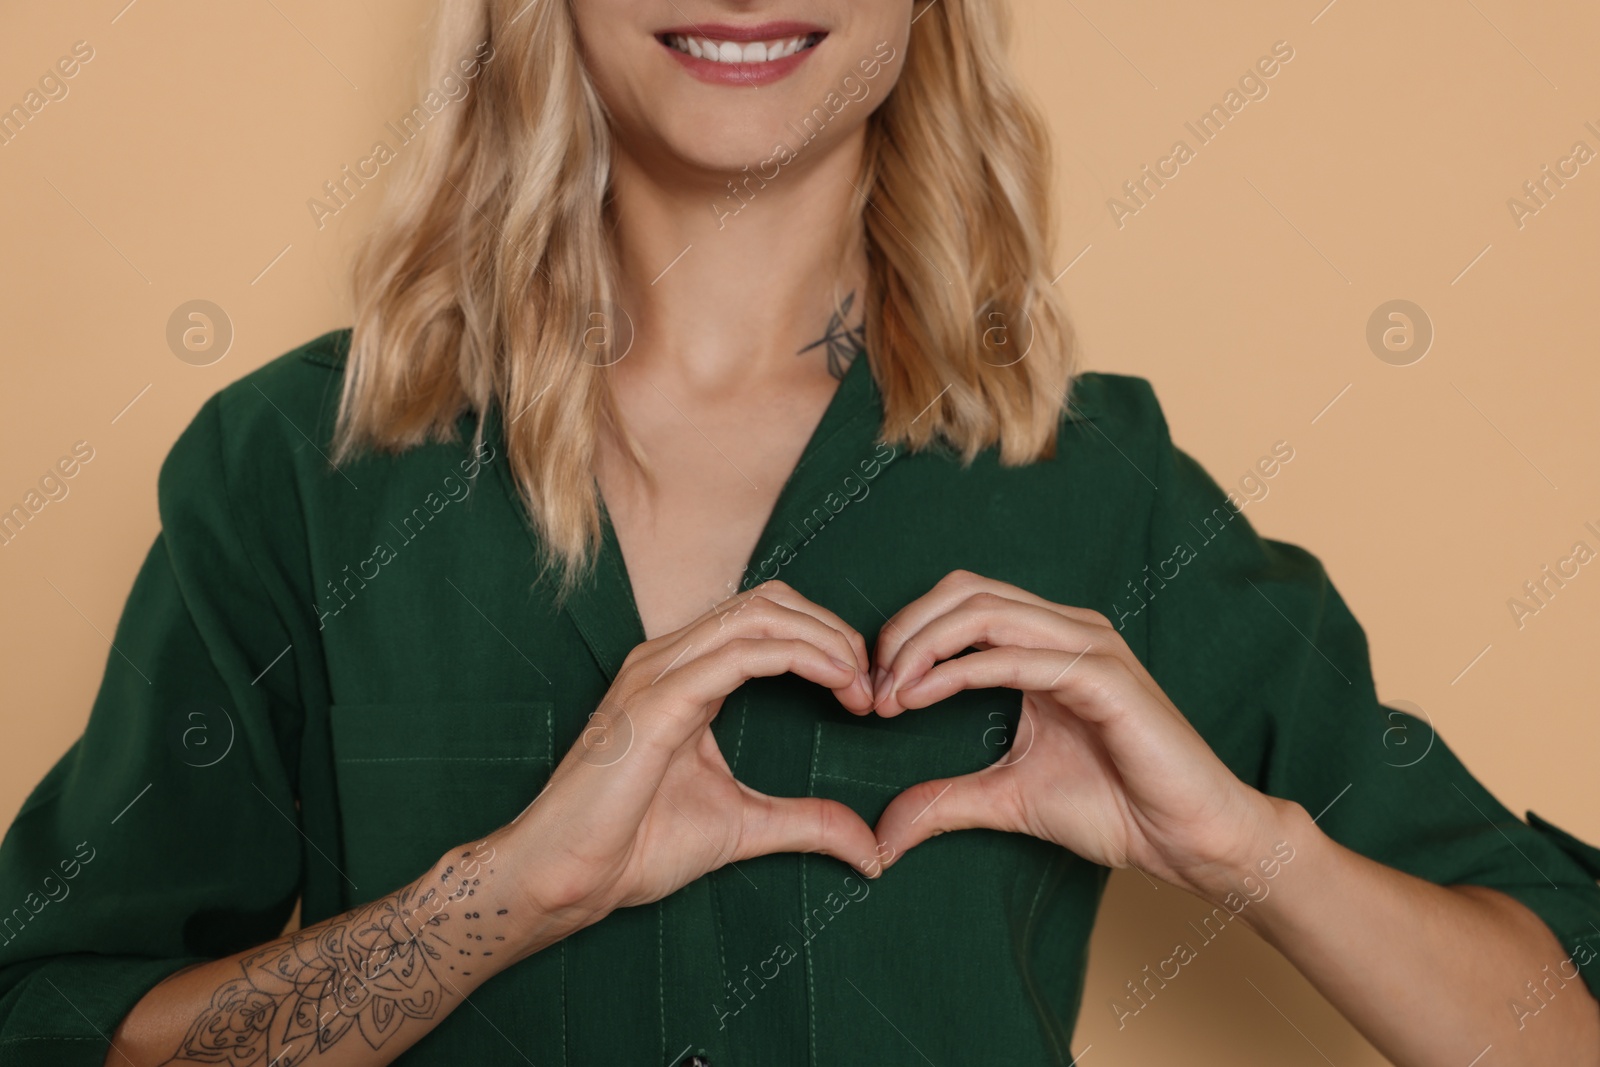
(785,594)
(684,698)
(1134,722)
(971,801)
(830,632)
(807,824)
(1094,686)
(759,616)
(984,620)
(790,597)
(950,591)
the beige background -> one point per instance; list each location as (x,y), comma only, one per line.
(1378,167)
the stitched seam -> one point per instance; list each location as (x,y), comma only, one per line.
(384,707)
(1163,444)
(45,1037)
(744,715)
(716,883)
(1027,948)
(661,973)
(855,781)
(288,777)
(446,759)
(805,905)
(550,747)
(722,921)
(1033,909)
(249,553)
(863,409)
(596,639)
(249,550)
(333,362)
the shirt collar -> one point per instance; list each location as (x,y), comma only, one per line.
(602,605)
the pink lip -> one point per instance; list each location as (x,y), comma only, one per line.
(746,74)
(765,31)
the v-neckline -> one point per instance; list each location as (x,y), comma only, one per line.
(603,605)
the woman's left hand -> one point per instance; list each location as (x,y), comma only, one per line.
(1103,763)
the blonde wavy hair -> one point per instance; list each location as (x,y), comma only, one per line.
(481,282)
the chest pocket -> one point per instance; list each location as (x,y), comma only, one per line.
(415,780)
(962,903)
(865,767)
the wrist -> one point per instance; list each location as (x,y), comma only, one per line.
(540,906)
(470,897)
(1272,833)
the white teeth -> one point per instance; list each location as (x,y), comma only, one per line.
(733,52)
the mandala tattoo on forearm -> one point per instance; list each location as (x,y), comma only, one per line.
(364,972)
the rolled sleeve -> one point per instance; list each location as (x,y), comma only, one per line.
(1249,637)
(168,833)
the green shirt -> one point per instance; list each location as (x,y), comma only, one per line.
(324,679)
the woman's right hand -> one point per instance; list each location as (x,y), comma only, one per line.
(645,803)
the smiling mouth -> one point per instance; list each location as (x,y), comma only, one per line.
(719,51)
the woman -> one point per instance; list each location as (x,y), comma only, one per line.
(589,664)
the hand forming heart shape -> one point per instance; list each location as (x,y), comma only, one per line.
(1113,772)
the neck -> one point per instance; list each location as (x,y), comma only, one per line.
(724,288)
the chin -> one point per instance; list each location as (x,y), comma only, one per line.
(743,136)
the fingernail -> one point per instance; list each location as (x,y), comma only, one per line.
(880,684)
(842,665)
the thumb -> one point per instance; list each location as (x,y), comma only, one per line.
(807,824)
(968,802)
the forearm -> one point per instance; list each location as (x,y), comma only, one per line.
(352,991)
(1430,974)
